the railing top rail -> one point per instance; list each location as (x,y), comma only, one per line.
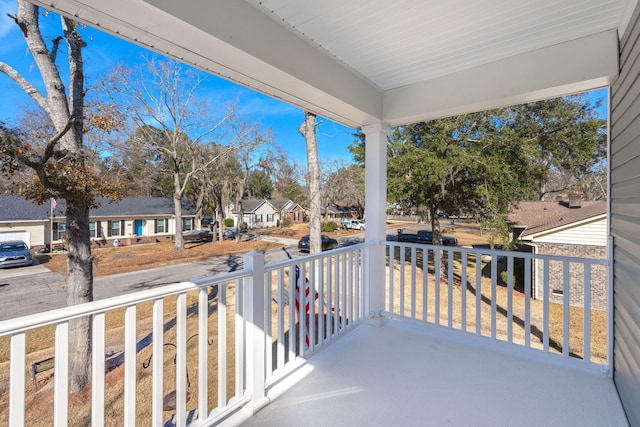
(21,324)
(499,252)
(290,262)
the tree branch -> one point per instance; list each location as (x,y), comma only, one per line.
(27,87)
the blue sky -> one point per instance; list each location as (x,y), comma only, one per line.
(104,52)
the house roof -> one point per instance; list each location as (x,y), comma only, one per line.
(362,63)
(251,205)
(17,208)
(536,217)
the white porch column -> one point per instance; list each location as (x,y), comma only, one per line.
(376,213)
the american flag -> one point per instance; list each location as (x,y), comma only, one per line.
(304,283)
(54,204)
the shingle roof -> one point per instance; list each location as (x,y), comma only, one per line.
(542,216)
(17,208)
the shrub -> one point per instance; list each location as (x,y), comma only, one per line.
(328,227)
(228,222)
(286,222)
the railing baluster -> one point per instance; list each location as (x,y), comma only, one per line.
(203,353)
(281,305)
(350,291)
(566,307)
(337,313)
(357,254)
(97,370)
(437,281)
(343,291)
(61,378)
(130,367)
(17,382)
(330,302)
(239,315)
(311,300)
(320,302)
(463,293)
(478,293)
(181,359)
(268,323)
(392,267)
(425,283)
(158,362)
(449,287)
(300,310)
(292,313)
(413,282)
(402,266)
(527,301)
(510,298)
(587,313)
(545,305)
(494,290)
(222,342)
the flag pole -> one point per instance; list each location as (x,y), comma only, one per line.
(51,226)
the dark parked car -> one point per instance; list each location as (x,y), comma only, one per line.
(327,243)
(197,236)
(15,253)
(426,237)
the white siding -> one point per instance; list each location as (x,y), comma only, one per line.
(589,233)
(625,220)
(35,229)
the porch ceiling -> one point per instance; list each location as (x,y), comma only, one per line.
(362,61)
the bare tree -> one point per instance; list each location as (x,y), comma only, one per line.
(308,130)
(61,163)
(171,122)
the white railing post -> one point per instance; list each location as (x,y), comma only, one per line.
(254,309)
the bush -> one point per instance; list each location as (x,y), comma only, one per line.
(228,222)
(328,227)
(286,222)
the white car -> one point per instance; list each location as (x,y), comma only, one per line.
(356,224)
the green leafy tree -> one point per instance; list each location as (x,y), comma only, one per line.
(259,185)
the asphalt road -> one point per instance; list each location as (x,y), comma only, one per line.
(30,290)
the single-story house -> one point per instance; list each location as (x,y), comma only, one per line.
(575,229)
(335,212)
(130,220)
(268,212)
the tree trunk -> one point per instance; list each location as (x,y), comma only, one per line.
(177,206)
(308,130)
(437,240)
(79,283)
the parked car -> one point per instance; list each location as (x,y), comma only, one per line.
(197,236)
(15,253)
(425,237)
(355,224)
(327,243)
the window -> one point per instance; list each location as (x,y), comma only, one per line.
(269,217)
(114,228)
(296,216)
(92,230)
(59,230)
(258,218)
(161,225)
(187,224)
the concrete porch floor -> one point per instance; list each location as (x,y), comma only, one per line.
(402,375)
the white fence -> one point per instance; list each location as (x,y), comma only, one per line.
(488,293)
(163,338)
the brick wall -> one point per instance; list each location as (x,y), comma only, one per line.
(576,276)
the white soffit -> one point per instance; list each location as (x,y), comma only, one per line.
(357,61)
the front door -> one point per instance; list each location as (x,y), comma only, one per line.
(137,224)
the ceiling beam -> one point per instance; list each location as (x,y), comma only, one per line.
(575,66)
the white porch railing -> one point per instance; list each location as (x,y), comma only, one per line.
(257,335)
(244,315)
(476,294)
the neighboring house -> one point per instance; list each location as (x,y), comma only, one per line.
(578,229)
(335,212)
(130,220)
(259,213)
